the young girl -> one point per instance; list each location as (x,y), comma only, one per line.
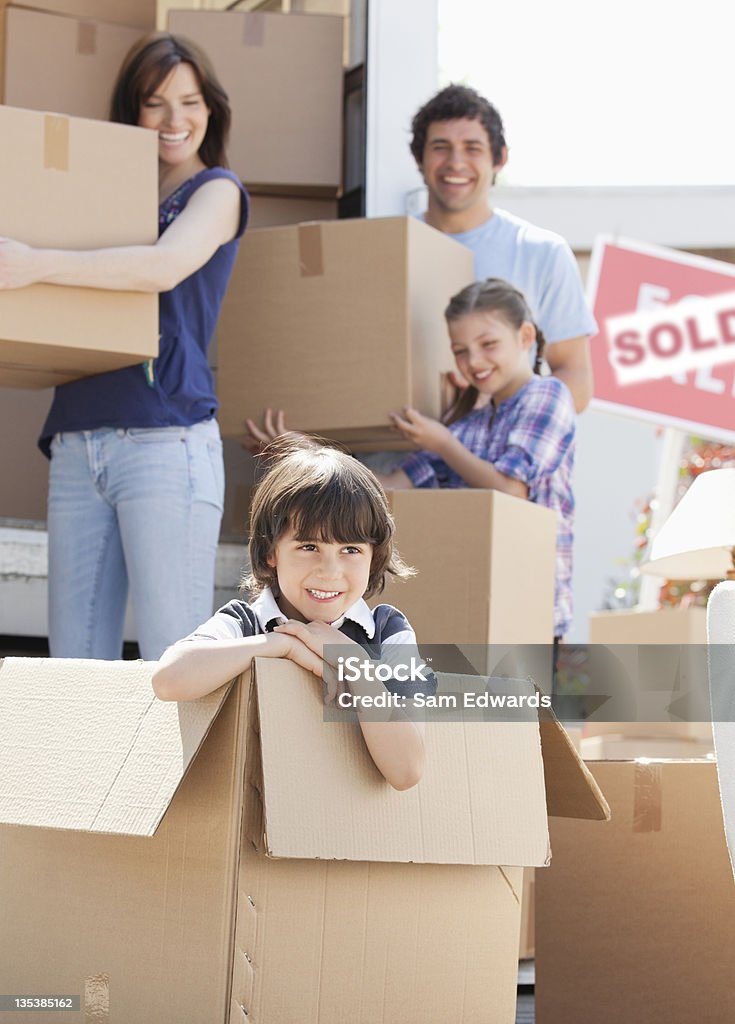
(520,442)
(137,481)
(321,540)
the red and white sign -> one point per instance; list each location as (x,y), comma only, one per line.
(681,351)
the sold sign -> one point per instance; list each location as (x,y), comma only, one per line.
(655,294)
(692,334)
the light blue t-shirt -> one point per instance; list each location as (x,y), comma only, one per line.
(539,263)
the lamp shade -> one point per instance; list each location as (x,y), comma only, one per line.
(696,541)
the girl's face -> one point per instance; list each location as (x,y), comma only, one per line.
(491,354)
(178,113)
(319,580)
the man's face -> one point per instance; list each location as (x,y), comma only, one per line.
(458,165)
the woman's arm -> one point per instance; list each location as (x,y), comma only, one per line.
(192,668)
(209,220)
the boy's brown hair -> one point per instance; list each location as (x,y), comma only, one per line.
(321,493)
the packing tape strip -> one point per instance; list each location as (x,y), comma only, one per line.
(97,999)
(55,142)
(253,32)
(647,798)
(86,38)
(311,259)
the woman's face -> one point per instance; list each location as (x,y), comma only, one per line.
(177,111)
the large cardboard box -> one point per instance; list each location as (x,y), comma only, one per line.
(139,14)
(63,64)
(75,184)
(635,918)
(486,567)
(662,657)
(239,859)
(283,74)
(339,323)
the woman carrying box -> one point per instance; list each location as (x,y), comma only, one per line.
(136,483)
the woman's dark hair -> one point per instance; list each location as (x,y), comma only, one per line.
(452,103)
(491,296)
(320,493)
(148,63)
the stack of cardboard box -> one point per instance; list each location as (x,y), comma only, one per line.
(283,74)
(62,56)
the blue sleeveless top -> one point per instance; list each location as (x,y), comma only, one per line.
(177,388)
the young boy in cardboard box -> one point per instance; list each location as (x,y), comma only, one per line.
(321,540)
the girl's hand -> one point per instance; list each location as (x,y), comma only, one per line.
(274,424)
(422,430)
(16,264)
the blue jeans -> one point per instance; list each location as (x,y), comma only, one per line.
(139,509)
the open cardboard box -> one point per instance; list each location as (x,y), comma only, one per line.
(635,918)
(354,309)
(237,859)
(66,182)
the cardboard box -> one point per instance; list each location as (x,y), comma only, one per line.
(311,894)
(72,183)
(23,469)
(140,14)
(63,64)
(663,676)
(275,211)
(485,566)
(635,919)
(338,324)
(283,73)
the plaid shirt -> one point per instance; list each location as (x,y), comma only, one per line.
(530,437)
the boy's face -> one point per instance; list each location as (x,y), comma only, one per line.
(319,580)
(457,164)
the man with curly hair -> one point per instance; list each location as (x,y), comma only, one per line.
(459,146)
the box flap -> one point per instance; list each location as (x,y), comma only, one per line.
(481,800)
(87,746)
(571,788)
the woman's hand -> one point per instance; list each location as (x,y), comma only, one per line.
(425,432)
(17,264)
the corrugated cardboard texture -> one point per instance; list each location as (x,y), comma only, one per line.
(155,914)
(23,469)
(108,196)
(283,73)
(481,800)
(636,917)
(357,321)
(475,552)
(62,64)
(81,743)
(571,790)
(326,942)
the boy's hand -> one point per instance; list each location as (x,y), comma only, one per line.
(316,636)
(292,647)
(422,430)
(274,424)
